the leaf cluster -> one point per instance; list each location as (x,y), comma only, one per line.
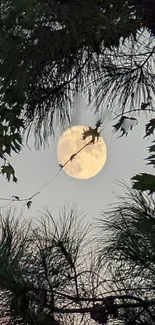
(144,181)
(10,141)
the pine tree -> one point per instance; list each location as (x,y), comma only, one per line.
(52,274)
(50,49)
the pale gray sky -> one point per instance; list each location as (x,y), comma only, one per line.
(34,168)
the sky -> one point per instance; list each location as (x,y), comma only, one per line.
(125,158)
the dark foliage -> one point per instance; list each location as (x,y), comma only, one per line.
(49,49)
(51,274)
(126,249)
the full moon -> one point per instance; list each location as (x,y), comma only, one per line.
(88,162)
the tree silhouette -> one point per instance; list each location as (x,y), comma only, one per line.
(51,49)
(56,272)
(127,248)
(53,273)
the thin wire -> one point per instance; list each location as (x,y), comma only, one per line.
(51,181)
(6,205)
(48,183)
(26,200)
(70,159)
